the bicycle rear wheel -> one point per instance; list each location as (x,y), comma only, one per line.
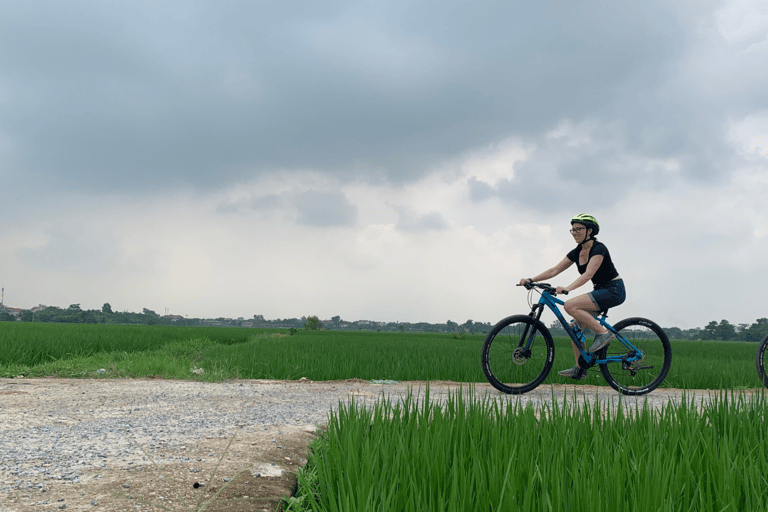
(517,354)
(645,374)
(760,361)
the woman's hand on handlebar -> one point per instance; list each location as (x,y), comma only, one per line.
(525,281)
(561,290)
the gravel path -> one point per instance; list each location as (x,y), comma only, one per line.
(61,431)
(56,429)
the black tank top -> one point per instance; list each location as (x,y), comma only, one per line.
(605,273)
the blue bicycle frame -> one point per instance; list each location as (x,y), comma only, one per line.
(552,302)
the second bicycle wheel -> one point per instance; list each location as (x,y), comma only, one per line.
(517,354)
(642,375)
(760,361)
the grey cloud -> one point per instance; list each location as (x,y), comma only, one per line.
(231,207)
(265,204)
(479,190)
(432,221)
(147,96)
(596,164)
(309,207)
(325,209)
(75,249)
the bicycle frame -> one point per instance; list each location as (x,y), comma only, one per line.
(552,302)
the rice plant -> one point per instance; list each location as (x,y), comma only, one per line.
(498,455)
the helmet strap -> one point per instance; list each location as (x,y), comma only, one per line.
(592,238)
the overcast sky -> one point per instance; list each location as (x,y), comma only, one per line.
(393,161)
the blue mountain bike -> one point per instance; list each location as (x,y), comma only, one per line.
(519,351)
(762,347)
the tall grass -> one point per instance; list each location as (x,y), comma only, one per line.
(713,365)
(329,355)
(344,355)
(80,350)
(34,343)
(501,455)
(71,350)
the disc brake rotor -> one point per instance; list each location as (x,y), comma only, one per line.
(519,356)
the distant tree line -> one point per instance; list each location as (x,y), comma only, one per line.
(743,332)
(337,324)
(75,314)
(106,315)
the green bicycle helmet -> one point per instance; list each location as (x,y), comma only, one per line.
(588,221)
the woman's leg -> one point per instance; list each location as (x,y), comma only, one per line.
(576,352)
(582,309)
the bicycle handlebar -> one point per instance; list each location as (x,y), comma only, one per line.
(544,286)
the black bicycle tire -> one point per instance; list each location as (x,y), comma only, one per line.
(491,375)
(760,360)
(605,368)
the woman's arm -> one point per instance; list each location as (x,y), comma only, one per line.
(592,266)
(552,272)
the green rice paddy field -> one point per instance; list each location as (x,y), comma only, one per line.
(80,350)
(463,455)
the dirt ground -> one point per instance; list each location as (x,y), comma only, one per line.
(250,470)
(227,485)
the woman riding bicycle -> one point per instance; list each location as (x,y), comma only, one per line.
(594,263)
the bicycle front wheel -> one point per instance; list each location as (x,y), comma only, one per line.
(760,361)
(518,354)
(642,375)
